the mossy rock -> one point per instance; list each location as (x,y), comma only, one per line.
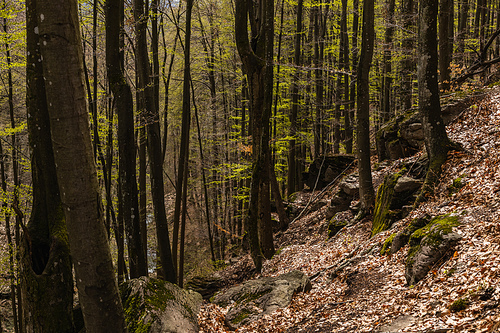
(156,306)
(335,226)
(383,216)
(429,245)
(402,238)
(386,248)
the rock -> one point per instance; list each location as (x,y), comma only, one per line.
(206,286)
(398,324)
(335,226)
(350,185)
(383,216)
(157,306)
(339,203)
(402,237)
(428,245)
(325,169)
(255,298)
(407,184)
(317,205)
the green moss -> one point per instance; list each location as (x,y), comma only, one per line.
(457,184)
(386,248)
(383,216)
(459,305)
(241,316)
(434,230)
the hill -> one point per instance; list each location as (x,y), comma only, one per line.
(356,289)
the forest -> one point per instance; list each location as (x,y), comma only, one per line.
(191,143)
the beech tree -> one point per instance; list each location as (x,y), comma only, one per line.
(437,143)
(61,58)
(366,191)
(258,67)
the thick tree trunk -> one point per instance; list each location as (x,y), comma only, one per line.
(58,27)
(366,191)
(47,270)
(437,143)
(258,67)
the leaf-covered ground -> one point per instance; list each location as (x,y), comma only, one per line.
(371,292)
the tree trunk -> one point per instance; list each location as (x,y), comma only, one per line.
(445,43)
(366,191)
(258,67)
(45,247)
(386,106)
(437,143)
(292,154)
(76,170)
(126,141)
(407,63)
(152,120)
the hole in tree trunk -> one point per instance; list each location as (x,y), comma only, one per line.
(39,256)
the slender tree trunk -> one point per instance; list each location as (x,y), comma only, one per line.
(445,43)
(186,125)
(292,154)
(386,106)
(366,191)
(407,63)
(126,140)
(151,117)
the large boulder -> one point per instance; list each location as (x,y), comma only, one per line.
(256,298)
(325,169)
(429,245)
(157,306)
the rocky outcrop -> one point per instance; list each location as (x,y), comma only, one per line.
(157,306)
(325,169)
(256,298)
(348,190)
(206,286)
(392,196)
(429,245)
(403,136)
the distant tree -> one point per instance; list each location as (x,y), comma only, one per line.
(124,107)
(366,191)
(445,42)
(61,51)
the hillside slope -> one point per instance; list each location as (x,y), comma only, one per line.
(370,293)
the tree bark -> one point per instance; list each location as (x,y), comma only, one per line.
(366,191)
(437,143)
(152,120)
(445,43)
(126,141)
(58,27)
(47,269)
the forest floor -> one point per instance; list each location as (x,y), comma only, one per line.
(371,293)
